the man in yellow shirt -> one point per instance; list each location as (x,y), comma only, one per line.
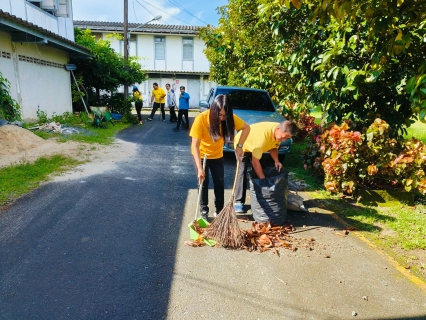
(263,137)
(159,95)
(208,133)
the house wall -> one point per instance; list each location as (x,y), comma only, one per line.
(62,26)
(37,76)
(196,85)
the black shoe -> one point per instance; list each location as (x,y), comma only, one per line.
(176,130)
(205,215)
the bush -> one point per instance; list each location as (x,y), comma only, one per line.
(9,108)
(349,159)
(116,104)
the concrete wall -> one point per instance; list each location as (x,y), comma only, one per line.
(145,50)
(62,26)
(33,83)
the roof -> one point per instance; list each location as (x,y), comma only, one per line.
(147,28)
(24,31)
(177,72)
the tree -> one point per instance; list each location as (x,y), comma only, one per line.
(107,70)
(357,60)
(242,52)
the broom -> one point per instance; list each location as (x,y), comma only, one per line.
(225,229)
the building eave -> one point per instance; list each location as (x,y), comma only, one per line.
(23,31)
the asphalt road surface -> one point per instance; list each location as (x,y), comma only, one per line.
(111,246)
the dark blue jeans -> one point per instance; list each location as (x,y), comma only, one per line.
(217,171)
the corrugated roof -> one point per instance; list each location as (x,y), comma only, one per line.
(11,23)
(177,72)
(147,28)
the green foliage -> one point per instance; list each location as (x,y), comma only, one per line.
(354,59)
(9,108)
(116,103)
(350,159)
(107,70)
(241,51)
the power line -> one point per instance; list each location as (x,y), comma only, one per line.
(175,3)
(160,9)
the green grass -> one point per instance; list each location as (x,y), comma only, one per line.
(17,180)
(418,131)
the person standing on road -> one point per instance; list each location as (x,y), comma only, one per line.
(263,137)
(171,102)
(159,95)
(183,109)
(210,130)
(137,96)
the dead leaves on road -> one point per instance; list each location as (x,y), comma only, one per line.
(263,237)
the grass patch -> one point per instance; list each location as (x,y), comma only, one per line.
(417,130)
(89,134)
(17,180)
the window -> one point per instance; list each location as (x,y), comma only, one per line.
(160,48)
(188,49)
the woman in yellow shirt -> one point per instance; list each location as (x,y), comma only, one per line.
(137,96)
(209,132)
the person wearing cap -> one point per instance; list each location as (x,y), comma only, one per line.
(137,96)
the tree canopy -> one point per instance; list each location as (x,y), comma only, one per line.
(356,59)
(107,70)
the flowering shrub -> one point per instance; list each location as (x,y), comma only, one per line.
(373,158)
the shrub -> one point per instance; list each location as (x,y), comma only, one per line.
(349,159)
(9,108)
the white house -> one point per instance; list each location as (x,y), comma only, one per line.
(36,41)
(167,54)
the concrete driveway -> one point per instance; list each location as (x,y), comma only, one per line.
(110,245)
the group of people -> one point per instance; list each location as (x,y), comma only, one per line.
(158,101)
(210,130)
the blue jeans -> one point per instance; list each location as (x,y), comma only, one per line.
(217,171)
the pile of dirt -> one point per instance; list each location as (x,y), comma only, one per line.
(14,139)
(19,145)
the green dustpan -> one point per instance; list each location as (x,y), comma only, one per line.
(193,234)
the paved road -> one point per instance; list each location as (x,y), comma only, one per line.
(111,246)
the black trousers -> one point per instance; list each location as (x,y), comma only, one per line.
(155,108)
(138,106)
(241,183)
(173,117)
(217,171)
(182,113)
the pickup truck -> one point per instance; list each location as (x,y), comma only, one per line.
(251,105)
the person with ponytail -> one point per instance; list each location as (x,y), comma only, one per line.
(209,132)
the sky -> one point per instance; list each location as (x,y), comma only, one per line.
(173,12)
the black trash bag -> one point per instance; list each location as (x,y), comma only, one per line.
(268,196)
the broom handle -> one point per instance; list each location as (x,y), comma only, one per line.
(235,181)
(200,187)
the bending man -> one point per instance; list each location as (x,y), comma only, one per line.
(263,137)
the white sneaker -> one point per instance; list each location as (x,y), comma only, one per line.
(238,207)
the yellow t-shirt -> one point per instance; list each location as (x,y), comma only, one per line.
(137,95)
(200,130)
(260,139)
(159,95)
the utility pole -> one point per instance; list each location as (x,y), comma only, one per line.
(126,43)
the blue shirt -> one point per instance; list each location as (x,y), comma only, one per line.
(184,101)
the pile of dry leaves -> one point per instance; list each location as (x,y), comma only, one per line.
(262,237)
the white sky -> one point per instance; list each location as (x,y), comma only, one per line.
(177,12)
